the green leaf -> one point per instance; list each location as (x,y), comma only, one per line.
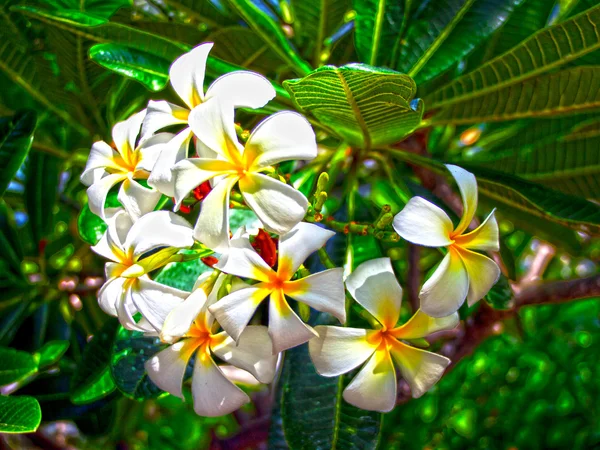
(16,365)
(378,24)
(41,192)
(315,20)
(209,12)
(51,352)
(271,32)
(365,105)
(313,411)
(92,380)
(501,295)
(130,352)
(182,275)
(10,243)
(19,414)
(16,136)
(150,70)
(101,8)
(570,91)
(545,50)
(446,31)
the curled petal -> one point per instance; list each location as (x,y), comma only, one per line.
(150,149)
(285,327)
(445,291)
(420,369)
(187,74)
(283,136)
(161,176)
(484,237)
(375,287)
(421,325)
(299,243)
(214,395)
(125,133)
(374,388)
(159,229)
(161,114)
(98,192)
(102,156)
(467,184)
(423,223)
(137,199)
(167,368)
(155,301)
(243,89)
(278,206)
(323,291)
(192,172)
(110,294)
(338,350)
(180,318)
(483,274)
(246,263)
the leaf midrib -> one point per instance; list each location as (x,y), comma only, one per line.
(358,115)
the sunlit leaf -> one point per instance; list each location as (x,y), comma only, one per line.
(51,352)
(16,365)
(19,414)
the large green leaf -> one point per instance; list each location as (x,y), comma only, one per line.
(101,8)
(365,105)
(149,69)
(16,365)
(92,379)
(131,350)
(315,20)
(377,27)
(448,30)
(570,91)
(41,192)
(90,226)
(271,32)
(51,352)
(545,50)
(19,414)
(16,136)
(313,413)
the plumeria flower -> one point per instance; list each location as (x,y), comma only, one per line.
(238,89)
(323,291)
(281,137)
(129,162)
(128,289)
(462,273)
(214,394)
(338,350)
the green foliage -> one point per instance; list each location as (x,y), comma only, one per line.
(51,352)
(16,136)
(364,105)
(16,365)
(19,414)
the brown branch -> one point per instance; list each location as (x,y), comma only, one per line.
(559,291)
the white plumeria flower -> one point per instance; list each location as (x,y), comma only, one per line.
(129,162)
(128,289)
(323,291)
(281,137)
(213,392)
(462,273)
(238,89)
(338,350)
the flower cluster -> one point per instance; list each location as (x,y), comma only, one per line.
(217,324)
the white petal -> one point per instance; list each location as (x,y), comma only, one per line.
(323,291)
(110,294)
(445,291)
(234,311)
(119,225)
(283,136)
(423,223)
(253,352)
(420,369)
(467,184)
(213,123)
(161,114)
(421,325)
(101,156)
(125,133)
(155,301)
(212,227)
(337,350)
(136,199)
(98,192)
(150,149)
(159,229)
(214,395)
(161,176)
(181,317)
(278,206)
(374,388)
(246,263)
(375,287)
(192,172)
(109,245)
(285,327)
(299,243)
(126,309)
(243,89)
(166,369)
(483,274)
(187,74)
(485,237)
